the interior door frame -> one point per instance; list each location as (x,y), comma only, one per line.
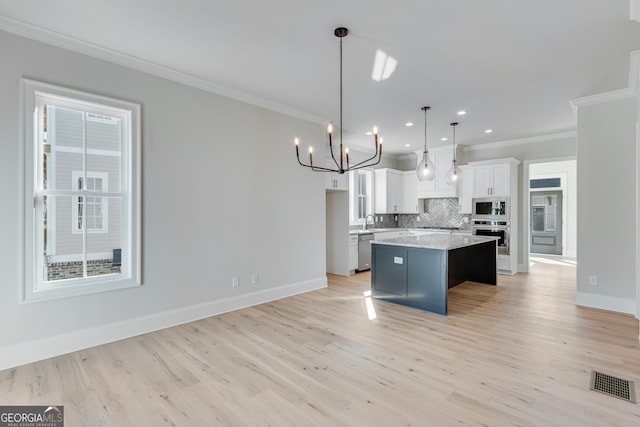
(526,214)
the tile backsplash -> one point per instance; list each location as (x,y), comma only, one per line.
(437,213)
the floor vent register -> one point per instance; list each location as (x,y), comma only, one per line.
(613,386)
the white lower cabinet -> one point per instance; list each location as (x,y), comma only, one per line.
(353,253)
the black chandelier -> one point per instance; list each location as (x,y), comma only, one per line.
(342,166)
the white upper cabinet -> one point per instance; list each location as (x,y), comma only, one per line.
(334,180)
(492,180)
(389,191)
(442,157)
(410,193)
(465,190)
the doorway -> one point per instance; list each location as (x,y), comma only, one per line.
(546,222)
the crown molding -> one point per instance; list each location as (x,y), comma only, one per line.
(53,38)
(614,95)
(521,141)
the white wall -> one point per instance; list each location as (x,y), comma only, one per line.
(223,196)
(566,170)
(607,204)
(338,232)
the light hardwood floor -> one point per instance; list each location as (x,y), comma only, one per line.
(520,354)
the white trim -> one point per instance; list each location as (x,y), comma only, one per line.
(600,98)
(60,40)
(94,151)
(634,10)
(614,95)
(34,285)
(604,302)
(32,351)
(525,205)
(638,214)
(520,141)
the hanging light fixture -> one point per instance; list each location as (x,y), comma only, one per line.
(342,165)
(454,175)
(425,170)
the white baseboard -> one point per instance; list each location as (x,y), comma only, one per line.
(571,254)
(33,351)
(603,302)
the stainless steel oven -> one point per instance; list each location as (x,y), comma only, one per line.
(494,228)
(492,208)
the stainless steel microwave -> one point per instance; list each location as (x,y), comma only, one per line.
(491,208)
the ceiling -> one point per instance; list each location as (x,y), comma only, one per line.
(512,65)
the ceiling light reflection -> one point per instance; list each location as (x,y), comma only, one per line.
(383,66)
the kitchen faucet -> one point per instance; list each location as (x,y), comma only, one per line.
(364,225)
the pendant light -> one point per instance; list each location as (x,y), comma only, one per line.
(454,175)
(425,170)
(342,166)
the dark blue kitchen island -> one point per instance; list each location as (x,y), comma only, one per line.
(417,271)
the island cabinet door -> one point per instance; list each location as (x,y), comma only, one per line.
(389,270)
(427,279)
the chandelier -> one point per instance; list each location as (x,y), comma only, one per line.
(342,163)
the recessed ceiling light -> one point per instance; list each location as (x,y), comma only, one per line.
(488,131)
(408,124)
(369,133)
(407,145)
(462,113)
(444,139)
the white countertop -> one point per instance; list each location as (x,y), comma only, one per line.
(384,230)
(437,241)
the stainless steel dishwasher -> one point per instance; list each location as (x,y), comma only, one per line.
(364,251)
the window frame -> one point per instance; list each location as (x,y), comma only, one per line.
(34,287)
(354,196)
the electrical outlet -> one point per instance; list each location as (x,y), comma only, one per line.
(593,280)
(254,278)
(465,219)
(235,282)
(418,218)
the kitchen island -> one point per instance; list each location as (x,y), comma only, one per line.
(417,271)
